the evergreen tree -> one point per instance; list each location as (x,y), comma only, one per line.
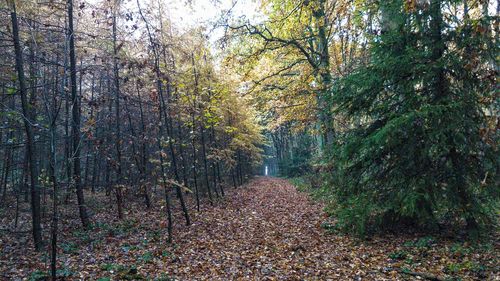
(417,155)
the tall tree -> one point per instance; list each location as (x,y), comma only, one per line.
(75,124)
(118,139)
(28,118)
(417,155)
(301,28)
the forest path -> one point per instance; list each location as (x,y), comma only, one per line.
(264,230)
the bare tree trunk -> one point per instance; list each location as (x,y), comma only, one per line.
(27,117)
(215,164)
(134,137)
(52,174)
(205,163)
(143,157)
(119,200)
(95,169)
(143,132)
(67,137)
(162,169)
(25,176)
(178,190)
(89,145)
(75,128)
(183,156)
(165,187)
(195,158)
(118,189)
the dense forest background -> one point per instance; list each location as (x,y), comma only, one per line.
(387,111)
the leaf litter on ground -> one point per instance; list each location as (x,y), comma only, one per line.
(264,230)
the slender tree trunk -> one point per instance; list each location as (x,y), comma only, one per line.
(164,108)
(183,156)
(162,169)
(27,118)
(215,165)
(170,133)
(95,169)
(178,190)
(117,97)
(108,142)
(118,140)
(205,163)
(143,156)
(202,134)
(52,175)
(67,138)
(25,176)
(195,160)
(75,130)
(143,135)
(88,142)
(134,137)
(119,200)
(95,147)
(19,184)
(214,172)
